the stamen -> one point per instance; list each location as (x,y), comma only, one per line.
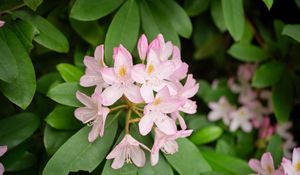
(122,71)
(156,102)
(150,69)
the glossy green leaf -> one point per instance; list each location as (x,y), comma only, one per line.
(274,147)
(244,144)
(206,135)
(53,139)
(89,10)
(62,117)
(25,32)
(189,153)
(248,33)
(49,36)
(22,89)
(268,3)
(15,129)
(234,18)
(292,30)
(177,16)
(216,12)
(69,72)
(45,81)
(247,52)
(65,93)
(162,167)
(8,64)
(155,22)
(123,29)
(33,4)
(195,7)
(90,31)
(226,164)
(24,161)
(267,74)
(224,147)
(84,155)
(282,98)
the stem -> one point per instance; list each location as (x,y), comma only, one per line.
(118,107)
(134,120)
(127,121)
(139,109)
(137,112)
(13,8)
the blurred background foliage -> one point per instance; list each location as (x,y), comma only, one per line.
(43,43)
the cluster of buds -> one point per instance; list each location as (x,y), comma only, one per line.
(266,165)
(152,91)
(255,108)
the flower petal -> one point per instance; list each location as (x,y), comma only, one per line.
(3,150)
(99,55)
(118,162)
(84,99)
(296,156)
(132,92)
(122,57)
(165,124)
(165,70)
(246,126)
(138,73)
(214,115)
(145,124)
(1,166)
(267,162)
(287,166)
(255,165)
(85,114)
(137,155)
(143,47)
(111,94)
(147,93)
(176,115)
(154,157)
(109,75)
(96,129)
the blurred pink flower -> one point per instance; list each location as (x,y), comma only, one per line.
(128,150)
(119,79)
(220,110)
(93,113)
(266,129)
(166,143)
(245,72)
(94,65)
(3,149)
(282,129)
(292,167)
(265,166)
(2,23)
(155,112)
(241,118)
(143,47)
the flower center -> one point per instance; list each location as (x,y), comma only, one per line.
(122,71)
(269,169)
(150,69)
(297,166)
(156,102)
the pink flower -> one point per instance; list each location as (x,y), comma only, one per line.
(282,129)
(181,68)
(265,166)
(166,143)
(119,79)
(220,110)
(265,129)
(2,23)
(143,47)
(162,49)
(93,113)
(292,168)
(128,150)
(245,72)
(241,118)
(3,149)
(155,112)
(153,76)
(94,66)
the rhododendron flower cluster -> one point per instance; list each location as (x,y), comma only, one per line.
(253,110)
(266,165)
(153,93)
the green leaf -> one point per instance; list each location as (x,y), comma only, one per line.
(189,153)
(49,36)
(206,135)
(62,117)
(22,89)
(69,72)
(123,29)
(90,31)
(23,162)
(33,4)
(65,93)
(274,147)
(53,139)
(268,3)
(292,30)
(247,52)
(198,121)
(8,64)
(15,129)
(45,81)
(234,18)
(195,7)
(244,144)
(282,98)
(83,155)
(127,169)
(25,32)
(216,12)
(247,34)
(226,164)
(224,147)
(155,22)
(177,16)
(162,167)
(267,74)
(89,10)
